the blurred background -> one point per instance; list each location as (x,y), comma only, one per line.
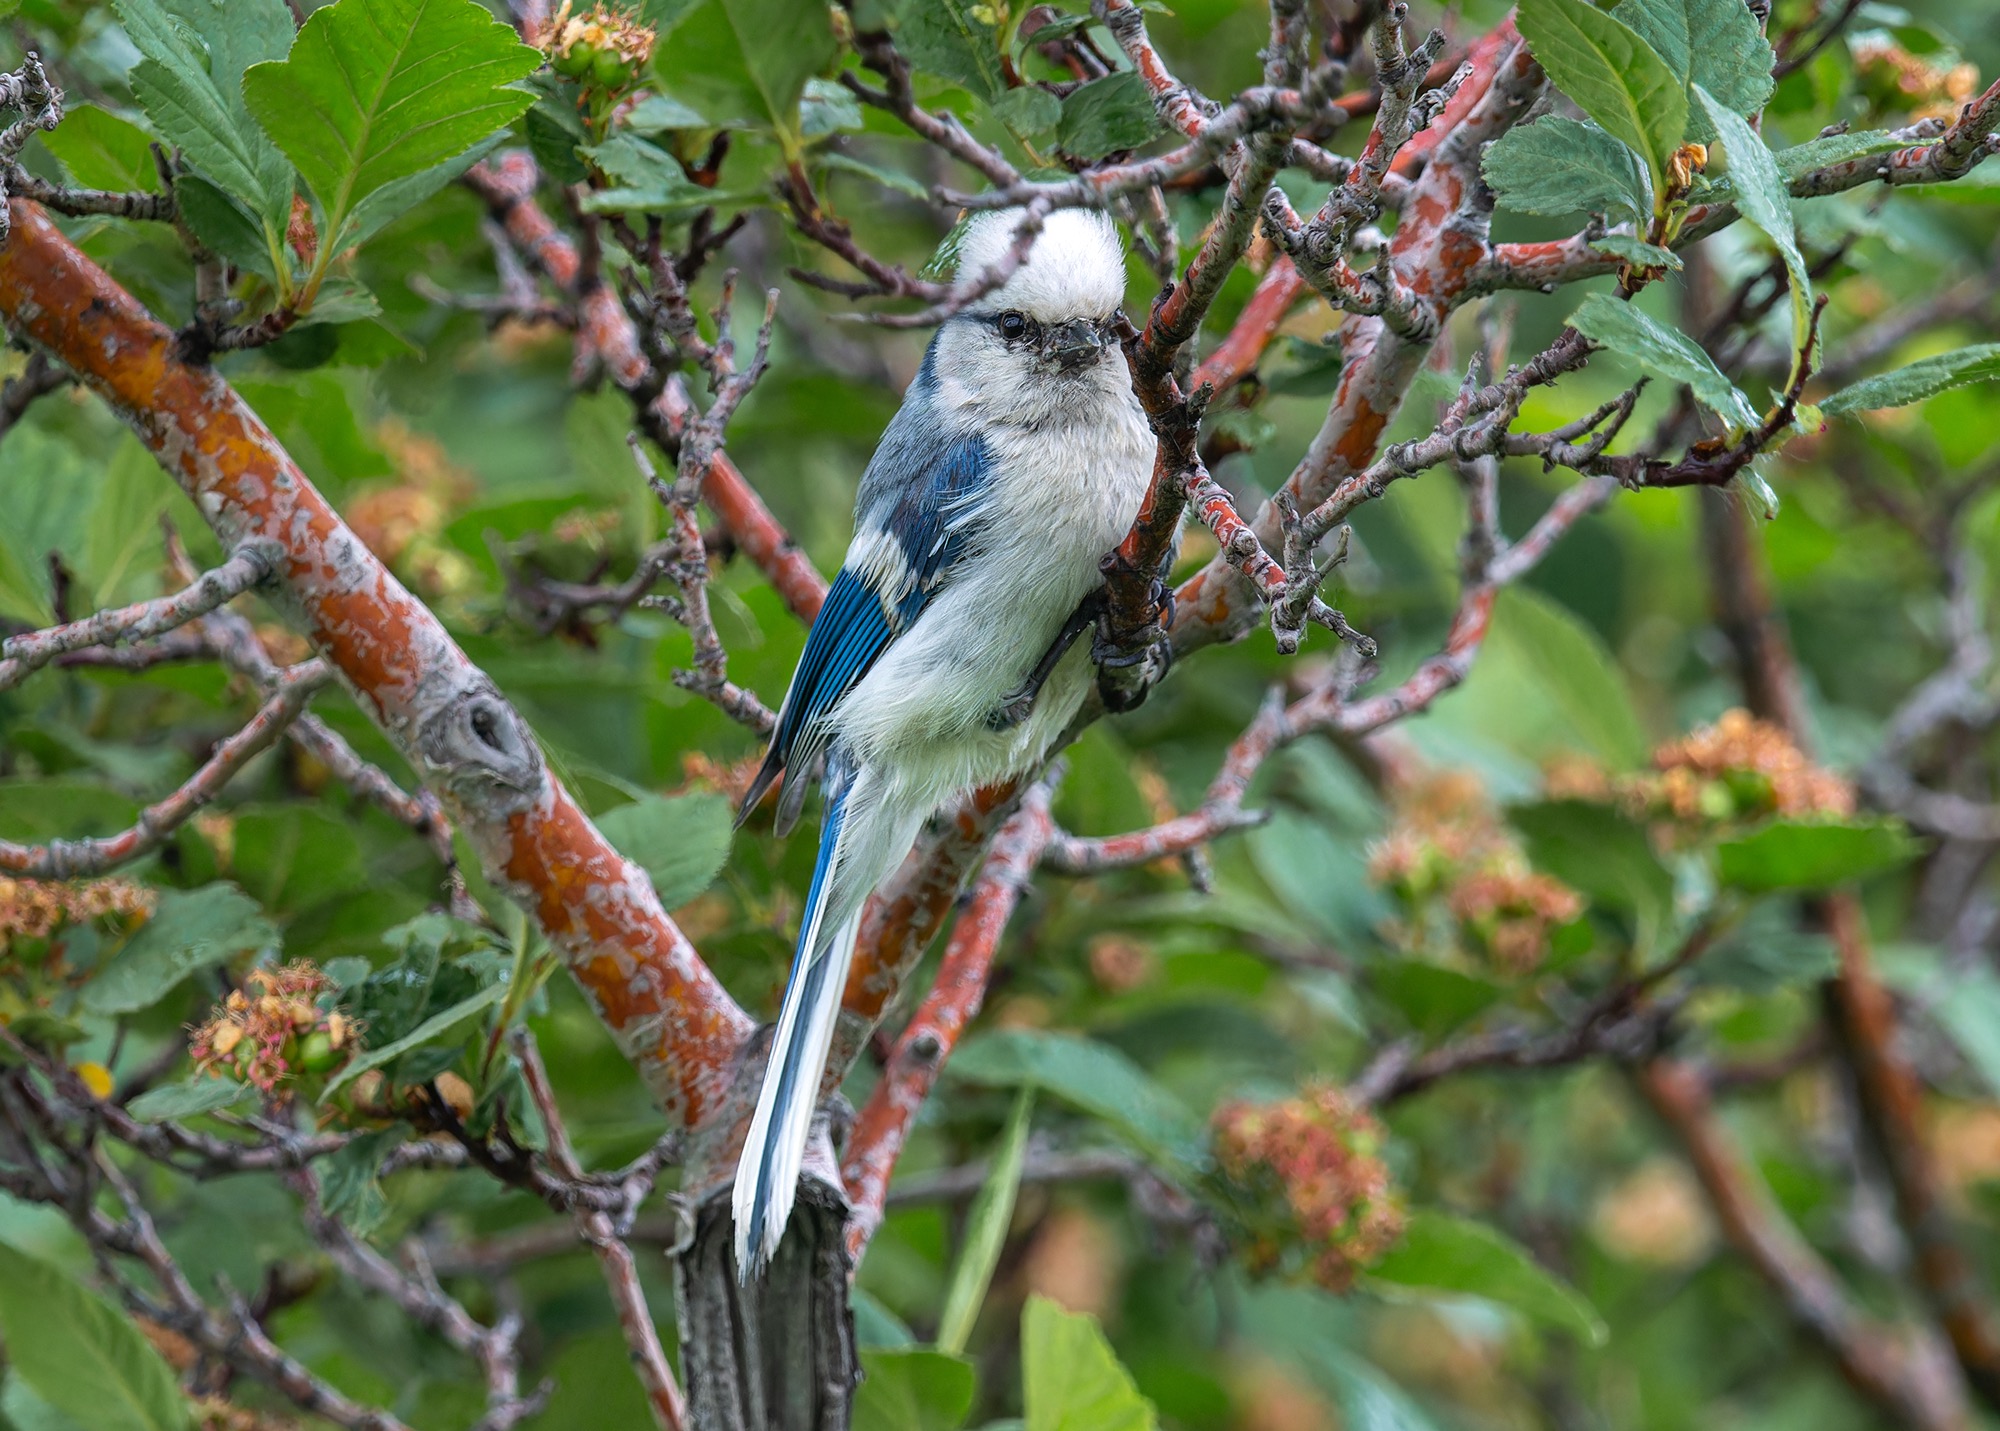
(462,452)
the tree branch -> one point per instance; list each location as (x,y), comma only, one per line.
(21,656)
(69,859)
(1879,1364)
(621,1272)
(668,1012)
(933,1031)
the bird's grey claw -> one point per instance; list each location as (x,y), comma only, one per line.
(1012,711)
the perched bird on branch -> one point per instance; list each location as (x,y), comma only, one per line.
(945,656)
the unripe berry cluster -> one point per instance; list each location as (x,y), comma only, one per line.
(1463,879)
(605,48)
(275,1030)
(1324,1207)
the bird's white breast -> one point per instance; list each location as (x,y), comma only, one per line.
(1066,480)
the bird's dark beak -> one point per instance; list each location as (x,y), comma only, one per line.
(1071,345)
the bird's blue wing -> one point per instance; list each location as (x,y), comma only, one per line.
(917,518)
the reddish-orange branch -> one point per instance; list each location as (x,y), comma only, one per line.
(901,921)
(652,990)
(1439,243)
(606,335)
(884,1121)
(1864,1012)
(1278,292)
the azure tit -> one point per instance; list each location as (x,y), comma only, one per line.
(945,656)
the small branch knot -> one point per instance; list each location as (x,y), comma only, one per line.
(481,748)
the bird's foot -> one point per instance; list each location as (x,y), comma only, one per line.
(1019,703)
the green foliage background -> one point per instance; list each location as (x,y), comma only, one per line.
(1279,976)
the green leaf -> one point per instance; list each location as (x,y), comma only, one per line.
(1728,55)
(393,200)
(103,150)
(1662,352)
(1966,1001)
(342,300)
(1071,1380)
(1802,159)
(1715,44)
(1637,252)
(874,1324)
(1792,854)
(1368,1400)
(746,61)
(1107,115)
(1312,369)
(431,1030)
(647,179)
(1577,674)
(21,1405)
(888,178)
(986,1229)
(44,1030)
(349,1181)
(380,90)
(912,1389)
(1029,111)
(293,855)
(1761,197)
(1094,1077)
(190,1099)
(224,225)
(188,91)
(1316,874)
(1599,853)
(1451,1254)
(1767,952)
(659,113)
(1614,76)
(954,40)
(680,841)
(237,34)
(1559,166)
(124,529)
(1925,378)
(827,108)
(80,1354)
(1434,998)
(189,930)
(555,128)
(1061,27)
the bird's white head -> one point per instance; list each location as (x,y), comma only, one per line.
(1053,317)
(1075,267)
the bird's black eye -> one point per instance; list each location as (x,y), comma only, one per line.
(1013,325)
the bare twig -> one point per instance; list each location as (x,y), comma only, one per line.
(1913,1388)
(38,379)
(67,859)
(621,1272)
(21,656)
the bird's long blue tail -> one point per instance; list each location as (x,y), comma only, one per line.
(767,1174)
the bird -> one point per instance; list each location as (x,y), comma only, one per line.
(945,656)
